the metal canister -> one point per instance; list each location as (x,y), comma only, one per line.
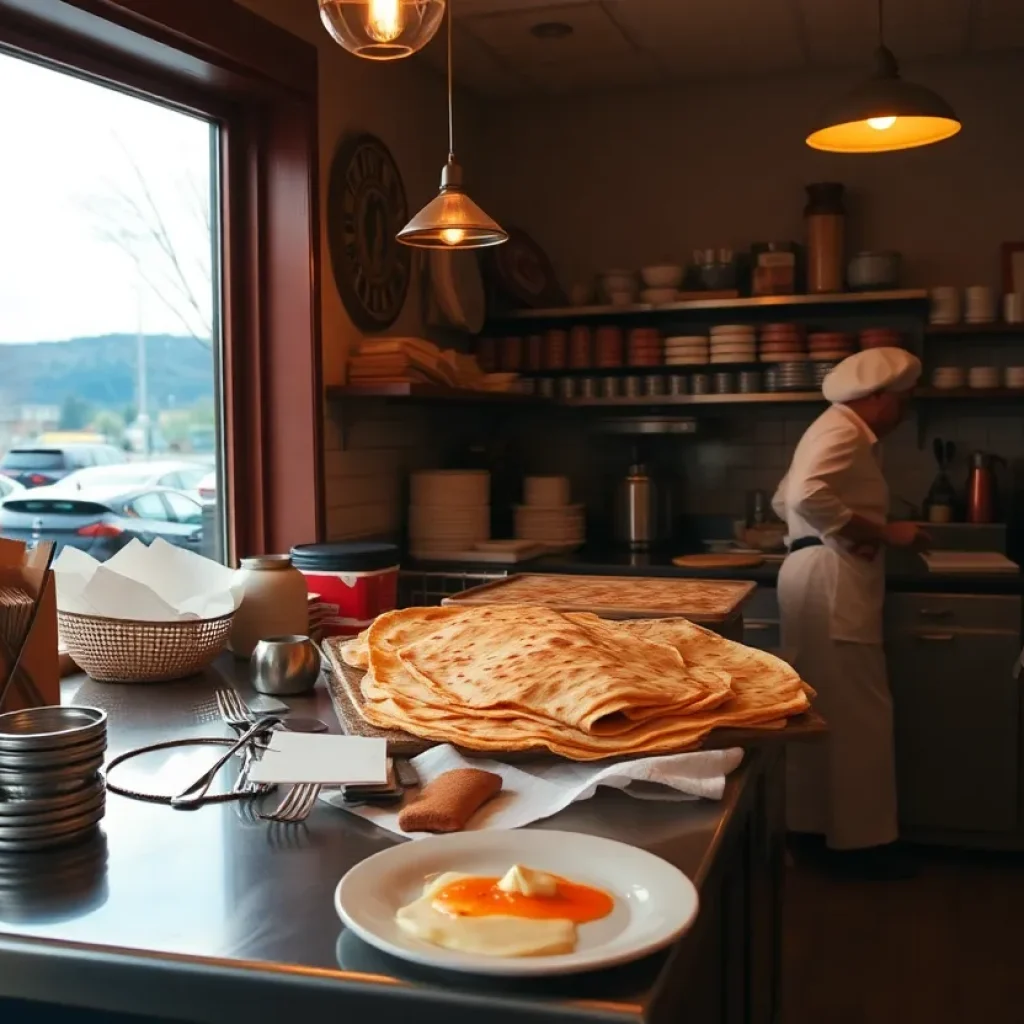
(654,384)
(723,382)
(771,379)
(546,387)
(678,384)
(609,387)
(750,382)
(632,386)
(567,387)
(700,384)
(587,387)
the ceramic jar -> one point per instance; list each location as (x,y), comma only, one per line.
(275,602)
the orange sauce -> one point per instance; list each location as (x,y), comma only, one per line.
(481,897)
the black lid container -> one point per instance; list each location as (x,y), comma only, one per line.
(355,557)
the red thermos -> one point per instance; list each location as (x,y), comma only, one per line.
(981,488)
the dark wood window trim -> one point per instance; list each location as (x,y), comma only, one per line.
(260,83)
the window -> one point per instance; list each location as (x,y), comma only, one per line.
(254,87)
(148,506)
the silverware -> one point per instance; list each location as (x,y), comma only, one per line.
(236,713)
(285,665)
(296,806)
(193,795)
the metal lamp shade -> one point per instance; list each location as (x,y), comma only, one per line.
(885,113)
(452,220)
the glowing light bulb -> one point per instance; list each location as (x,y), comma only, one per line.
(453,236)
(881,123)
(384,20)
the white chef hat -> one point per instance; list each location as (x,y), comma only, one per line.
(871,371)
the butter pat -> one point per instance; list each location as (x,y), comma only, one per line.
(528,882)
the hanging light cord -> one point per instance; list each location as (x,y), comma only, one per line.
(451,120)
(881,22)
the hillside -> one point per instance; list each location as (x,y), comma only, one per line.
(102,371)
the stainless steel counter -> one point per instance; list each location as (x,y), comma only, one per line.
(179,915)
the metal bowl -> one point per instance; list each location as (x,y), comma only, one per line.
(15,808)
(34,759)
(50,728)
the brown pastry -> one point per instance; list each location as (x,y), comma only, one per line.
(447,803)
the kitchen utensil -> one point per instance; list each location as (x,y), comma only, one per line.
(296,806)
(944,305)
(981,487)
(639,517)
(870,271)
(285,665)
(193,795)
(655,902)
(234,712)
(979,304)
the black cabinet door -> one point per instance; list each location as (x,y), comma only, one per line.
(957,725)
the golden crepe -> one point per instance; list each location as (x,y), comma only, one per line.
(506,678)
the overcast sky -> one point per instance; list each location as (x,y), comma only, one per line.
(75,158)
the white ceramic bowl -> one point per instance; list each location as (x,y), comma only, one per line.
(663,276)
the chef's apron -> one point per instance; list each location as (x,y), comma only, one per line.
(843,786)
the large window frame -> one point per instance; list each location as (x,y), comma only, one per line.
(258,82)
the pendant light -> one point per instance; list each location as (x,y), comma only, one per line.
(452,220)
(382,29)
(885,113)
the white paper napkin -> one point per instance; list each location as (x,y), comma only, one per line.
(535,790)
(329,760)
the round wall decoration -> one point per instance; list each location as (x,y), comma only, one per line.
(365,210)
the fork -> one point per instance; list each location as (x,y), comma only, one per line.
(296,805)
(235,713)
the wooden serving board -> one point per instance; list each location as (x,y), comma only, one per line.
(348,698)
(618,597)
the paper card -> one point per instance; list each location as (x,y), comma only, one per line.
(329,760)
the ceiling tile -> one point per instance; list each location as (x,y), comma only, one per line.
(507,34)
(633,70)
(476,68)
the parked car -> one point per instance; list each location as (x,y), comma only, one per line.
(103,520)
(9,487)
(45,465)
(177,475)
(208,488)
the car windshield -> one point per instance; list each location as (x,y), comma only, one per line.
(33,459)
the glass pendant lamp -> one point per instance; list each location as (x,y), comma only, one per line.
(382,29)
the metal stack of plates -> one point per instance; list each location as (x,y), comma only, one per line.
(795,376)
(821,371)
(686,350)
(51,790)
(733,343)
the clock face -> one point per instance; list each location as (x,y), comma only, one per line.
(365,210)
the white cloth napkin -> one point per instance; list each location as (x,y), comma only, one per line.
(533,790)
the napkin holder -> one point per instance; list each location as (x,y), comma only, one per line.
(39,660)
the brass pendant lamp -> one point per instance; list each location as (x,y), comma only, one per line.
(451,220)
(885,113)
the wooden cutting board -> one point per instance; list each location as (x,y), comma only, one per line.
(348,698)
(716,561)
(618,597)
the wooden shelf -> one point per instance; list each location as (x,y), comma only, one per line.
(429,393)
(972,394)
(762,398)
(996,330)
(835,302)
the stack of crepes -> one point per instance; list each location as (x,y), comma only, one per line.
(523,677)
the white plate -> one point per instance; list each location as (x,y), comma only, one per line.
(655,902)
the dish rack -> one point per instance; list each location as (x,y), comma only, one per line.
(423,589)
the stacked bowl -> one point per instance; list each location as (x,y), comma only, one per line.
(733,343)
(686,350)
(881,337)
(449,511)
(51,790)
(643,347)
(785,346)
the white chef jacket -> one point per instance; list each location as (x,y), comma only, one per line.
(836,473)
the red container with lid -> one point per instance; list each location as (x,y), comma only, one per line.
(356,582)
(556,349)
(579,347)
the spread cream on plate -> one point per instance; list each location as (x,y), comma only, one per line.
(524,913)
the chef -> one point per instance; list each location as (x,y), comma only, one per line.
(834,501)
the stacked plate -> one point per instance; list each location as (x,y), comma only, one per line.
(733,343)
(51,792)
(1014,376)
(984,377)
(686,350)
(881,337)
(782,343)
(449,511)
(948,377)
(558,528)
(795,376)
(830,346)
(643,347)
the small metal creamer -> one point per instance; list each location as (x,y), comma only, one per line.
(285,665)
